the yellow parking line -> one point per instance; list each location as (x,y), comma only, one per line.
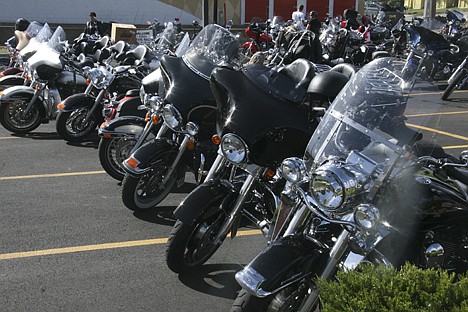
(455,146)
(438,113)
(66,250)
(438,131)
(52,175)
(6,138)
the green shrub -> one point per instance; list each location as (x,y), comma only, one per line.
(378,288)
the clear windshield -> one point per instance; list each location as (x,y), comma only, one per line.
(277,21)
(215,45)
(167,39)
(34,28)
(49,52)
(432,24)
(57,40)
(42,36)
(377,110)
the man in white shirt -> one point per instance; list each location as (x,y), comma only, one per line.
(298,17)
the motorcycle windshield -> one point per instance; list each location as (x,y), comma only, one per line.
(42,36)
(376,114)
(277,21)
(432,24)
(48,52)
(167,39)
(34,28)
(213,46)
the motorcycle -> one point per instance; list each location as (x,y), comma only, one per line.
(122,133)
(184,142)
(264,115)
(368,190)
(80,114)
(260,40)
(15,75)
(24,108)
(431,55)
(457,80)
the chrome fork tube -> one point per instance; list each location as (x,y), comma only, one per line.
(143,136)
(336,255)
(182,148)
(244,191)
(162,130)
(95,105)
(33,99)
(217,165)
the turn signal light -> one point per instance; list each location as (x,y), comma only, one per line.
(155,119)
(216,139)
(190,145)
(60,106)
(132,162)
(147,117)
(269,173)
(88,81)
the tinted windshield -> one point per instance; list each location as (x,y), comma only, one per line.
(377,109)
(213,46)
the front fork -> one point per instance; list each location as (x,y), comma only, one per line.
(254,172)
(39,88)
(146,131)
(95,105)
(459,68)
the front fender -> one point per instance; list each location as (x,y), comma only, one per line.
(13,92)
(269,271)
(200,198)
(9,81)
(76,101)
(123,127)
(144,155)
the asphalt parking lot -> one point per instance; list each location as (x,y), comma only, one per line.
(69,244)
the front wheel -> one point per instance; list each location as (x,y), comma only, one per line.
(13,118)
(289,299)
(148,190)
(71,125)
(191,245)
(112,152)
(451,87)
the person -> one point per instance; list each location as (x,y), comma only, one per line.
(314,24)
(94,27)
(298,17)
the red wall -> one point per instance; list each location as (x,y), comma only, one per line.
(256,8)
(284,8)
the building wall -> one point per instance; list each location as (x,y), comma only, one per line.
(76,12)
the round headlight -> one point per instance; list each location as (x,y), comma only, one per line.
(172,117)
(293,169)
(327,189)
(421,48)
(366,216)
(191,128)
(233,148)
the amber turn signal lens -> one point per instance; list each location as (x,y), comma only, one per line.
(132,162)
(216,139)
(60,106)
(155,119)
(88,82)
(190,145)
(269,173)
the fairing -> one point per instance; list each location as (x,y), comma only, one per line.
(272,126)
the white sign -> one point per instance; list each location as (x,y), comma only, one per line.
(144,36)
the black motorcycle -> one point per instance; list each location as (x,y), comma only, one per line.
(264,115)
(367,190)
(189,114)
(80,114)
(123,133)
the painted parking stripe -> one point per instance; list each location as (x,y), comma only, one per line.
(52,175)
(438,131)
(67,250)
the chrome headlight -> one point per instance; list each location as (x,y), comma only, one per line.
(172,117)
(234,148)
(334,184)
(366,216)
(420,48)
(101,78)
(293,169)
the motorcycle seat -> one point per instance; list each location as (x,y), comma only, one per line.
(346,69)
(301,71)
(133,92)
(101,43)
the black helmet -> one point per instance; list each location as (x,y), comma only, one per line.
(21,24)
(313,14)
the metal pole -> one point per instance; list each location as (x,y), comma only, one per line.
(205,13)
(429,8)
(215,12)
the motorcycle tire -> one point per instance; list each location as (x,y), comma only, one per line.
(190,245)
(451,87)
(69,125)
(145,192)
(112,152)
(288,299)
(11,116)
